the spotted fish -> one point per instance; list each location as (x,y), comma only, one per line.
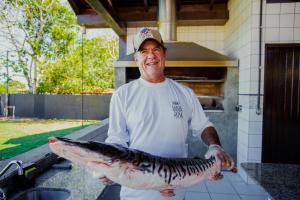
(136,169)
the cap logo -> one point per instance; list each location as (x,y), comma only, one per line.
(146,33)
(145,30)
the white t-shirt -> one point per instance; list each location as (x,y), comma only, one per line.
(155,118)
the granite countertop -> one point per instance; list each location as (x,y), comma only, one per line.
(281,181)
(78,180)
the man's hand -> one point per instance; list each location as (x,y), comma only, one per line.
(226,160)
(105,180)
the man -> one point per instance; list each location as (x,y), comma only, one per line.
(154,114)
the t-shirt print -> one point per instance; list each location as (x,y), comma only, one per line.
(177,109)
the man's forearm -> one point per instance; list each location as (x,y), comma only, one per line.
(210,136)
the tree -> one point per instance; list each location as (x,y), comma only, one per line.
(69,75)
(40,32)
(14,87)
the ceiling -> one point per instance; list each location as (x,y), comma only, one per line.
(120,14)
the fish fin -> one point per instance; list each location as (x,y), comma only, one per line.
(167,192)
(217,176)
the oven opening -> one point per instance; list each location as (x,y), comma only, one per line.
(206,82)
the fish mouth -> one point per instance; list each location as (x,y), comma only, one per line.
(52,139)
(62,139)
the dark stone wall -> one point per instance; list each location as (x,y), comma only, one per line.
(93,107)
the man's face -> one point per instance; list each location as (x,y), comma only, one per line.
(151,60)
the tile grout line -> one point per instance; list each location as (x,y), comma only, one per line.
(207,190)
(234,189)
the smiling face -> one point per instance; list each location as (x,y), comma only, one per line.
(151,61)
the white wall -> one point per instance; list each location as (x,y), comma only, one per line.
(237,40)
(281,24)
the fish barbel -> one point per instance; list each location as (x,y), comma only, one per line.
(136,169)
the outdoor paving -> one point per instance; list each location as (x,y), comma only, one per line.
(231,187)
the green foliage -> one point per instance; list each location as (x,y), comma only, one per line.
(70,75)
(2,89)
(19,136)
(14,87)
(39,31)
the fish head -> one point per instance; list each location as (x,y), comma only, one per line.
(84,152)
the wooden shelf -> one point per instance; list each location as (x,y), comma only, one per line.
(210,97)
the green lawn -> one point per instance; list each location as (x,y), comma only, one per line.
(18,136)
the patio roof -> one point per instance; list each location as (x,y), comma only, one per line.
(120,14)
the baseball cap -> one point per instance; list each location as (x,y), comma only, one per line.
(146,34)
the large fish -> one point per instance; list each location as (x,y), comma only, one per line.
(136,169)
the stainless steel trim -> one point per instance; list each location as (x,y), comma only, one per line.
(212,111)
(167,19)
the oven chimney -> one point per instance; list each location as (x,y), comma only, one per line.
(167,19)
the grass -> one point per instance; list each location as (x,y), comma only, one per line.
(21,135)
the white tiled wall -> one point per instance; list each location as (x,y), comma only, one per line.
(241,35)
(211,37)
(281,24)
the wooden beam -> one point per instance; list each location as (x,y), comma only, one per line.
(201,14)
(189,15)
(134,24)
(137,14)
(74,6)
(111,20)
(209,22)
(211,5)
(203,22)
(91,21)
(146,5)
(178,5)
(122,46)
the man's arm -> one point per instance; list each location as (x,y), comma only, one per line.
(210,137)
